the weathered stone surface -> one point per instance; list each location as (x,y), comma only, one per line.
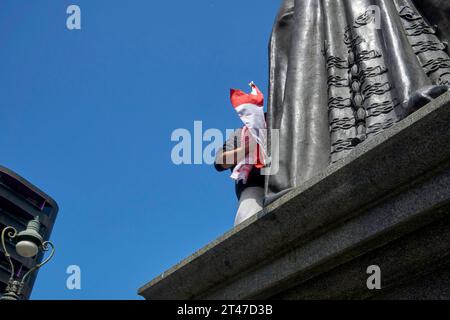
(386,203)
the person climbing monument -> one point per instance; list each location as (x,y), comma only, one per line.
(244,153)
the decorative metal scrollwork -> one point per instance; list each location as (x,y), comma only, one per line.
(419,28)
(336,62)
(371,72)
(337,81)
(364,19)
(409,14)
(434,65)
(342,145)
(424,46)
(377,108)
(339,103)
(376,89)
(380,127)
(342,124)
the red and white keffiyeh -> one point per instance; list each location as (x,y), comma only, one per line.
(250,108)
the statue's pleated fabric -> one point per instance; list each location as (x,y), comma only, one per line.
(342,71)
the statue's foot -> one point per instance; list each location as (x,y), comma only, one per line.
(422,97)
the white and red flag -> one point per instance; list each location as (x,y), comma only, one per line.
(250,108)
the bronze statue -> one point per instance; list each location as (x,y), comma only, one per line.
(342,71)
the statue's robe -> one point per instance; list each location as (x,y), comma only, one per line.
(342,71)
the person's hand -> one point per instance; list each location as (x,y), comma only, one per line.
(233,157)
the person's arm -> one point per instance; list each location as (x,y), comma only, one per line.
(231,158)
(231,153)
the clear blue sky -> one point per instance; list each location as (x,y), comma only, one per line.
(87,116)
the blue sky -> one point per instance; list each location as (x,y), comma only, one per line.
(87,116)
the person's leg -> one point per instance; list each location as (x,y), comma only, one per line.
(251,202)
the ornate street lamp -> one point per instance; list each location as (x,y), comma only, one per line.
(28,244)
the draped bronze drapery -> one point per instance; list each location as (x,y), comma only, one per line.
(342,71)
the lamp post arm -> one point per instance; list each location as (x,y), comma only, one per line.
(12,232)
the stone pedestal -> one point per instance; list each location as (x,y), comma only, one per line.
(386,204)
